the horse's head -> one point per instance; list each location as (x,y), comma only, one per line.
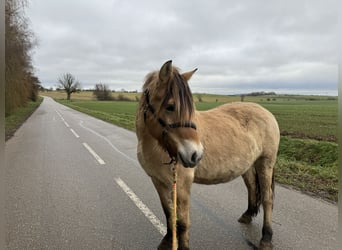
(168,114)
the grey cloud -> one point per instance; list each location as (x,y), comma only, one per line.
(287,43)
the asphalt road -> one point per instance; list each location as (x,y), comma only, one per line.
(74,183)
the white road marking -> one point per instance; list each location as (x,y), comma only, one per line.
(59,114)
(93,153)
(143,208)
(62,118)
(75,134)
(110,143)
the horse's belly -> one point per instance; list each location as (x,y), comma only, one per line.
(216,179)
(220,173)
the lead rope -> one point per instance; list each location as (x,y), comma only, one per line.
(174,202)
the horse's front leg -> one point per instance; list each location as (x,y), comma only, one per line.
(183,206)
(164,192)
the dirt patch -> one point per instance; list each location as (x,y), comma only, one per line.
(330,138)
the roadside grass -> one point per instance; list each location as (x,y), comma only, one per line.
(307,165)
(17,118)
(118,113)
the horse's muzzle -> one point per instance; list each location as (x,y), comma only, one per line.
(190,164)
(189,158)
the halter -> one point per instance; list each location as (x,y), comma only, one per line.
(165,126)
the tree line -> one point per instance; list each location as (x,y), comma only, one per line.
(21,84)
(101,91)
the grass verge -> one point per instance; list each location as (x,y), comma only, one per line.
(18,117)
(309,165)
(122,114)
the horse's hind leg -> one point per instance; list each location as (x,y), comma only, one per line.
(265,174)
(252,184)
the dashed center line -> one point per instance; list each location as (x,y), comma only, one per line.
(136,200)
(91,151)
(75,134)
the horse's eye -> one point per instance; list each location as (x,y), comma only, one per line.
(170,108)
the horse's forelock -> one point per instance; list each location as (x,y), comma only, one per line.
(176,88)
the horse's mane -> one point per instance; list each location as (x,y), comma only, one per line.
(176,88)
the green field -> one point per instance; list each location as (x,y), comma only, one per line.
(307,164)
(297,118)
(119,113)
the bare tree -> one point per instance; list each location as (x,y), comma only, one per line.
(69,84)
(102,92)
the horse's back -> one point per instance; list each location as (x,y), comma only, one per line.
(243,115)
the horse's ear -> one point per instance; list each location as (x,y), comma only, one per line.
(188,75)
(165,71)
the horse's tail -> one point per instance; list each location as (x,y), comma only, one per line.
(272,186)
(256,208)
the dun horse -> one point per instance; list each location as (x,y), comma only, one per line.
(213,146)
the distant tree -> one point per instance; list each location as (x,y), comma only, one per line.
(102,92)
(69,84)
(199,97)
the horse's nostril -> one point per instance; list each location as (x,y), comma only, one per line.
(194,157)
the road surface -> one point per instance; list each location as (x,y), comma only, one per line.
(74,183)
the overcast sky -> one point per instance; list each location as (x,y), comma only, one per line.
(238,46)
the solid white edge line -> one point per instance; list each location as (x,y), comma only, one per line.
(93,153)
(75,134)
(143,208)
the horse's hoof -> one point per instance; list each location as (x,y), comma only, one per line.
(265,245)
(165,244)
(245,219)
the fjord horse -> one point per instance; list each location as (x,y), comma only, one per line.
(213,147)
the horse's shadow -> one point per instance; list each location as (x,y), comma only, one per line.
(248,235)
